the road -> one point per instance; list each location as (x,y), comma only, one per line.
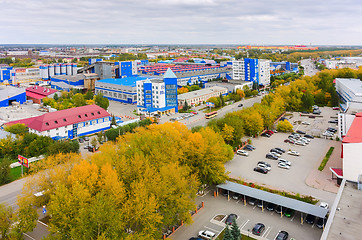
(9,192)
(309,67)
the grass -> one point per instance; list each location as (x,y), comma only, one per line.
(15,173)
(243,237)
(325,159)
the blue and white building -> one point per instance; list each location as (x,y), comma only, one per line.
(9,94)
(350,92)
(158,96)
(7,75)
(252,70)
(126,69)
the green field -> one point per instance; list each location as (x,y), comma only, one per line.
(15,173)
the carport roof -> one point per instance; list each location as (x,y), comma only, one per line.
(275,198)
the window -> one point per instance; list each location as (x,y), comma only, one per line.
(64,120)
(148,91)
(92,114)
(56,122)
(48,131)
(79,116)
(47,123)
(98,112)
(148,101)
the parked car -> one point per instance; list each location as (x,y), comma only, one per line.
(283,165)
(86,139)
(280,149)
(206,234)
(230,218)
(275,154)
(289,212)
(250,146)
(240,105)
(271,156)
(269,132)
(264,165)
(289,141)
(321,223)
(270,207)
(279,209)
(333,121)
(324,205)
(92,148)
(252,201)
(260,203)
(300,132)
(332,129)
(258,229)
(305,123)
(275,150)
(310,116)
(307,140)
(242,152)
(335,108)
(261,170)
(289,163)
(294,153)
(308,136)
(81,140)
(310,219)
(236,196)
(301,143)
(282,235)
(265,135)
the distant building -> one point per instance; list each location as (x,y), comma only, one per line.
(9,94)
(126,69)
(264,72)
(47,71)
(37,93)
(350,92)
(69,123)
(252,70)
(158,96)
(7,75)
(200,96)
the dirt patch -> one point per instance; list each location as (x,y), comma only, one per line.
(219,217)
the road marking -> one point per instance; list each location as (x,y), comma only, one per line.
(242,226)
(292,218)
(42,223)
(211,229)
(237,201)
(266,232)
(29,236)
(254,207)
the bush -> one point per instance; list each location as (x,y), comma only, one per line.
(325,159)
(285,126)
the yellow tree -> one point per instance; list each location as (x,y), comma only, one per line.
(227,133)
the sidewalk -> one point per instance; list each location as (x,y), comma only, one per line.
(323,179)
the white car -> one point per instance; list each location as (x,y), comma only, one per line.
(305,139)
(206,234)
(242,153)
(275,154)
(301,143)
(283,165)
(305,123)
(281,160)
(266,166)
(294,153)
(324,205)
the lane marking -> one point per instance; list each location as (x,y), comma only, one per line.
(267,232)
(29,236)
(42,223)
(241,227)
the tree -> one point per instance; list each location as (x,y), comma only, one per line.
(285,126)
(254,92)
(4,171)
(186,106)
(227,133)
(94,142)
(307,101)
(89,95)
(235,231)
(227,234)
(6,215)
(222,100)
(18,129)
(101,101)
(56,97)
(78,100)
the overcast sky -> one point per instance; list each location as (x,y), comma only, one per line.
(316,22)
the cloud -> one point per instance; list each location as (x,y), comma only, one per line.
(181,21)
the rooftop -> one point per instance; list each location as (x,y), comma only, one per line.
(201,92)
(10,91)
(40,90)
(127,81)
(72,78)
(353,84)
(354,134)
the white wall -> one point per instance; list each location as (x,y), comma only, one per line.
(352,161)
(264,72)
(238,70)
(344,123)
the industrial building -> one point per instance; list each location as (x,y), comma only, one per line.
(200,96)
(7,75)
(119,89)
(69,123)
(252,70)
(9,94)
(158,96)
(51,70)
(37,93)
(350,92)
(279,68)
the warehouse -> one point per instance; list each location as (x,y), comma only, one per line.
(9,94)
(37,93)
(200,96)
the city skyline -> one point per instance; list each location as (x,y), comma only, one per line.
(181,22)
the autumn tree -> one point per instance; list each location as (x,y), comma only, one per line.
(6,215)
(285,126)
(18,129)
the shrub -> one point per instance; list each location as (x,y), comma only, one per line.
(325,159)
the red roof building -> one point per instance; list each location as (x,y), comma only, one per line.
(69,123)
(37,93)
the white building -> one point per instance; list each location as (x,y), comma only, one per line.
(69,123)
(200,96)
(238,70)
(350,92)
(264,72)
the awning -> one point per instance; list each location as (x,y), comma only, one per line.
(337,171)
(275,198)
(35,95)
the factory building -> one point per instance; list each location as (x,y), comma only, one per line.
(69,123)
(9,94)
(126,69)
(278,68)
(252,70)
(264,72)
(7,75)
(48,71)
(102,69)
(200,96)
(37,93)
(119,89)
(158,96)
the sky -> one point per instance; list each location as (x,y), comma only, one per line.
(259,22)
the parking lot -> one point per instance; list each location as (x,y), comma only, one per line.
(248,216)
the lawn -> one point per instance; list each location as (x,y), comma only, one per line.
(15,173)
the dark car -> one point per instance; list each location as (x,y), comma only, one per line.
(86,139)
(258,229)
(247,147)
(81,140)
(282,235)
(260,204)
(280,149)
(195,238)
(230,218)
(310,219)
(279,209)
(333,121)
(283,118)
(308,136)
(261,170)
(240,105)
(310,116)
(332,130)
(271,156)
(289,212)
(300,132)
(92,149)
(250,146)
(265,135)
(225,193)
(305,112)
(270,207)
(321,222)
(252,201)
(276,151)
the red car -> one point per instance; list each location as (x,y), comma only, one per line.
(335,108)
(288,141)
(269,132)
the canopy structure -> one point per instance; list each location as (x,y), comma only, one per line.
(274,198)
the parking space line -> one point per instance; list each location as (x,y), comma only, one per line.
(254,207)
(211,229)
(292,218)
(242,226)
(238,201)
(266,232)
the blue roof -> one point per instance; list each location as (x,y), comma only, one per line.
(151,110)
(127,81)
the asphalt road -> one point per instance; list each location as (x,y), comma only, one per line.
(309,67)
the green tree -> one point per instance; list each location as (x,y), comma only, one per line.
(222,100)
(78,100)
(284,126)
(94,142)
(56,97)
(101,101)
(6,215)
(4,171)
(235,231)
(18,129)
(89,95)
(307,101)
(227,234)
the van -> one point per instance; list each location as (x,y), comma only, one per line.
(206,234)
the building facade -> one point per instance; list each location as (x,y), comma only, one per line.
(158,96)
(350,92)
(252,70)
(264,72)
(9,94)
(200,96)
(37,93)
(69,123)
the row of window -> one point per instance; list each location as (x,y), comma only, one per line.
(117,95)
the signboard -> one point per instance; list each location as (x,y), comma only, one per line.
(23,161)
(209,104)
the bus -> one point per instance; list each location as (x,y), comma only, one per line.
(210,115)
